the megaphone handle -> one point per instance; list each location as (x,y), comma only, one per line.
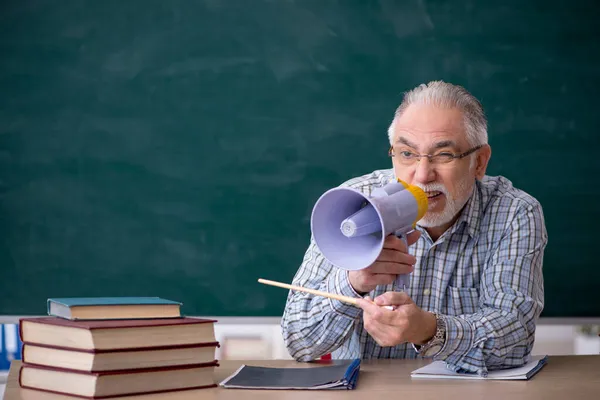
(402,281)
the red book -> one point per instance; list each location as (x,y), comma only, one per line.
(104,385)
(119,359)
(116,334)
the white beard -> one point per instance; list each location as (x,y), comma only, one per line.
(451,208)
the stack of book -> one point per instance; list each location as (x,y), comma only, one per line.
(130,348)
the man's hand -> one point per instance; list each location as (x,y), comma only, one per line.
(406,323)
(394,260)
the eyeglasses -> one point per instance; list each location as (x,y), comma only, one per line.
(406,157)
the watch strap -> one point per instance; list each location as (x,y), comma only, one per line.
(436,343)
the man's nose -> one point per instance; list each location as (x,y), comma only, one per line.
(424,172)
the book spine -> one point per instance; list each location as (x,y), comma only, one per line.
(21,330)
(147,370)
(351,368)
(76,396)
(125,350)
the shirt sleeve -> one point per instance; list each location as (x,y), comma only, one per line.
(314,325)
(501,333)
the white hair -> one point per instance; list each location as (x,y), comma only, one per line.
(447,95)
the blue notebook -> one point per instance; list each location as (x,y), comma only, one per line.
(88,308)
(341,374)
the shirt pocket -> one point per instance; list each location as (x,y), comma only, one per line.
(462,300)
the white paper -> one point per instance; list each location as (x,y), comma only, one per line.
(438,370)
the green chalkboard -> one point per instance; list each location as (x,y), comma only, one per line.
(176,148)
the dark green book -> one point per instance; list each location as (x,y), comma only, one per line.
(92,308)
(342,374)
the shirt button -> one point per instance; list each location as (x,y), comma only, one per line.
(426,292)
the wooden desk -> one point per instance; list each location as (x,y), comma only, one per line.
(564,377)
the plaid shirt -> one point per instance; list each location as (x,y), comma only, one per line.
(483,275)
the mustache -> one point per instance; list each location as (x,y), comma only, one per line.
(432,187)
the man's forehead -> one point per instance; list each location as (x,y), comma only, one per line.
(429,125)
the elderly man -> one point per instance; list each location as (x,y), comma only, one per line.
(475,258)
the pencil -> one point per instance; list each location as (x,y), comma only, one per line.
(345,299)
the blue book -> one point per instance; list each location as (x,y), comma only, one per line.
(94,308)
(341,374)
(10,345)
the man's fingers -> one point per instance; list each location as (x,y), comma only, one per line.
(367,305)
(384,274)
(383,279)
(384,335)
(396,256)
(375,329)
(412,237)
(393,260)
(372,280)
(371,311)
(392,242)
(375,314)
(393,299)
(382,324)
(391,268)
(379,279)
(388,255)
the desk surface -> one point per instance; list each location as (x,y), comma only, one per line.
(564,377)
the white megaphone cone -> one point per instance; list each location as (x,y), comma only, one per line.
(350,227)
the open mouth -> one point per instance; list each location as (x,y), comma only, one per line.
(433,195)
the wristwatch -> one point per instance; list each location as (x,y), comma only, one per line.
(436,343)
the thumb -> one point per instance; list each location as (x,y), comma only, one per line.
(412,237)
(393,299)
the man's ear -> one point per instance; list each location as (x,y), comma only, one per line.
(481,162)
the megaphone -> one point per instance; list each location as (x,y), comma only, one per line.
(350,227)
